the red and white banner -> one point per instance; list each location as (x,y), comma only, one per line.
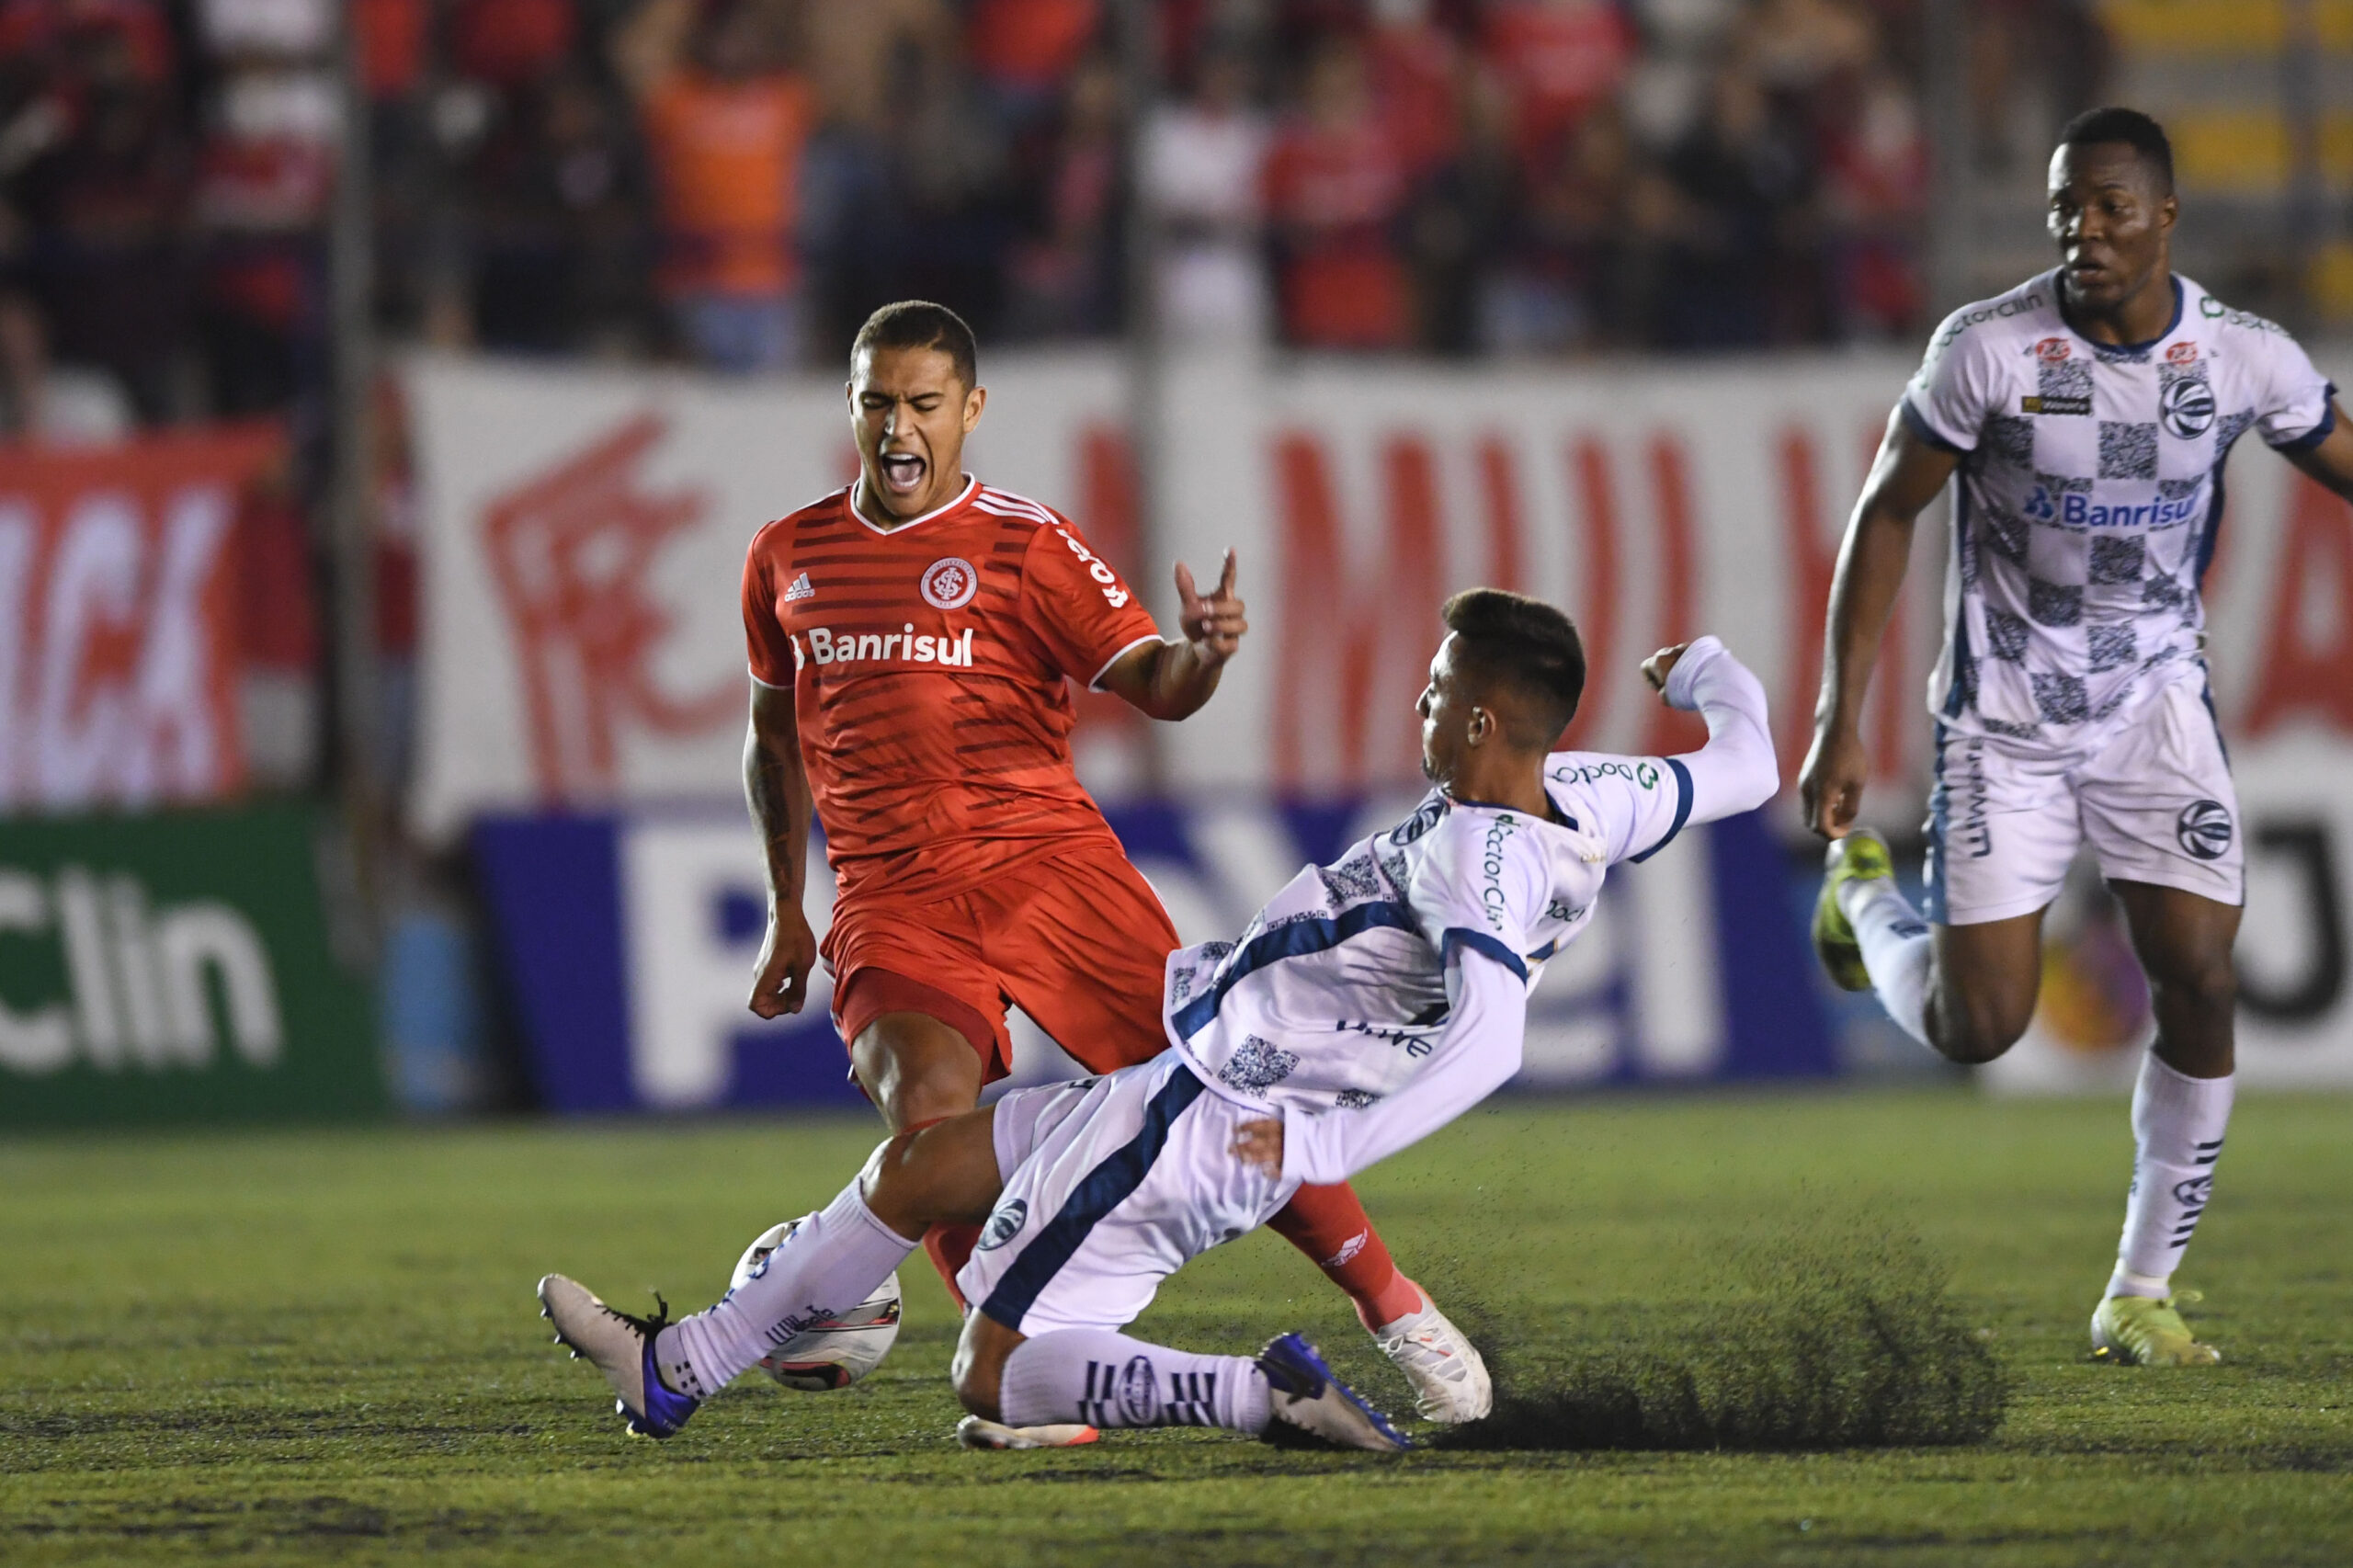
(586,533)
(120,617)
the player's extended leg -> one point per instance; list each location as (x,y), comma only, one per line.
(661,1372)
(1967,992)
(1102,1378)
(2181,1110)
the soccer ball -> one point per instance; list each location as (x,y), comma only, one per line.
(833,1354)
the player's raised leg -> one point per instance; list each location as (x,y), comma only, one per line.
(1965,991)
(2181,1110)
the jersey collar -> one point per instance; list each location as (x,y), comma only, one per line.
(858,488)
(2058,297)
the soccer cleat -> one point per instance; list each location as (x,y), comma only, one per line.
(621,1348)
(1861,855)
(975,1432)
(1449,1381)
(1304,1396)
(2135,1331)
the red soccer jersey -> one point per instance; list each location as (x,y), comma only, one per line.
(928,665)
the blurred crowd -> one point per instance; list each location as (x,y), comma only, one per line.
(736,183)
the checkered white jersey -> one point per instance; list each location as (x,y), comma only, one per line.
(2088,499)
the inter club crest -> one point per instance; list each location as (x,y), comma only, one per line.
(950,583)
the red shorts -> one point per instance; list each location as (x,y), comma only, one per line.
(1078,941)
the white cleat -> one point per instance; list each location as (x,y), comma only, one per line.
(1450,1383)
(973,1432)
(619,1345)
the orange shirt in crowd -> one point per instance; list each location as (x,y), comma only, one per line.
(727,167)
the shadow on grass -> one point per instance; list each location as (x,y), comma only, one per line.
(1813,1342)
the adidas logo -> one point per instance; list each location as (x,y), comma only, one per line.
(802,589)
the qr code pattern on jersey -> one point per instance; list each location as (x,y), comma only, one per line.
(1255,1067)
(2005,636)
(2112,647)
(2127,451)
(2006,536)
(2054,604)
(1355,1099)
(2061,699)
(1352,881)
(2010,439)
(2119,559)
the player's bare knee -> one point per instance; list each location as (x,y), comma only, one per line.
(2207,986)
(1973,1031)
(891,1185)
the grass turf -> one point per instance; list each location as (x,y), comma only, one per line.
(306,1346)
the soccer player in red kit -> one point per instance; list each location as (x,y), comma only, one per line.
(911,638)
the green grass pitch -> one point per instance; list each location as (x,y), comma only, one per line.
(323,1346)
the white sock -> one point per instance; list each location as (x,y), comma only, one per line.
(1894,940)
(828,1266)
(1103,1378)
(2177,1127)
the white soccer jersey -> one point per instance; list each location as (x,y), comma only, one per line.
(2090,492)
(1349,986)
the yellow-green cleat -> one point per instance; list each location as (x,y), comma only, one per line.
(1862,854)
(2134,1331)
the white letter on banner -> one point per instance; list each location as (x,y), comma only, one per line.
(89,967)
(688,980)
(40,1041)
(1678,986)
(174,751)
(77,734)
(188,938)
(18,540)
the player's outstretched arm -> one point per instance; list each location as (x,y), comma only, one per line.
(1905,477)
(1486,1021)
(1736,770)
(2330,460)
(1172,680)
(776,787)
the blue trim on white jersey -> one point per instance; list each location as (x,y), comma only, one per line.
(1459,936)
(1682,810)
(1917,423)
(2318,433)
(1957,695)
(1295,941)
(1107,1186)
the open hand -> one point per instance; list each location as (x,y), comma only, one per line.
(1212,622)
(1259,1144)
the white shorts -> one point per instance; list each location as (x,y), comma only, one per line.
(1111,1184)
(2154,801)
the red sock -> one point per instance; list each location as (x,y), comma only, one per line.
(1330,1226)
(951,1247)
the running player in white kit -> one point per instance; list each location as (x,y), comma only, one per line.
(2088,412)
(1369,1004)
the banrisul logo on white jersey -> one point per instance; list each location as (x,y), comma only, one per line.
(174,968)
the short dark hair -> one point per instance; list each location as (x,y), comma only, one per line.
(2100,127)
(919,323)
(1511,640)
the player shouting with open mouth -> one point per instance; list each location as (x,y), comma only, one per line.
(1369,1004)
(2088,412)
(911,639)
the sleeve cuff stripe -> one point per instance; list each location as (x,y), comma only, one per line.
(1917,423)
(1097,683)
(1458,937)
(1682,810)
(2318,433)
